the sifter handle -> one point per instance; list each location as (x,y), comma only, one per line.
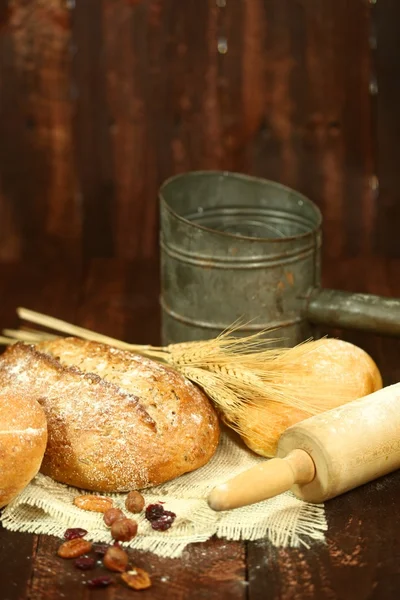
(263,481)
(365,312)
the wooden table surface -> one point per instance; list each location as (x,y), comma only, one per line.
(360,559)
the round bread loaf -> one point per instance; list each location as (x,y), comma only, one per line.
(333,364)
(23,437)
(116,421)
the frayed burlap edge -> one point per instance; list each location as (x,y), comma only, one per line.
(46,507)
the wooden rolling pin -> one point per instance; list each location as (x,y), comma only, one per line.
(325,455)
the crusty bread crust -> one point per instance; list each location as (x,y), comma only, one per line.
(116,421)
(23,437)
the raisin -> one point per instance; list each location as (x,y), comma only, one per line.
(99,582)
(100,549)
(85,563)
(76,532)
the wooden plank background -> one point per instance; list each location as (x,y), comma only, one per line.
(101,100)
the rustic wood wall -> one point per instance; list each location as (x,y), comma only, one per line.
(101,100)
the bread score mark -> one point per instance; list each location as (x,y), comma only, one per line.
(28,353)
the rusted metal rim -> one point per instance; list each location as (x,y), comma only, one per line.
(300,198)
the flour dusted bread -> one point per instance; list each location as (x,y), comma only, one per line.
(335,363)
(23,437)
(116,421)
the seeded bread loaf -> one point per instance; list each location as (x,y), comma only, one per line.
(23,437)
(116,421)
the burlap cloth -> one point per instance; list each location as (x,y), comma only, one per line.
(46,507)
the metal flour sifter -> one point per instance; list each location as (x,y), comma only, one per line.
(235,247)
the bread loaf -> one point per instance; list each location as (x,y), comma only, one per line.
(23,437)
(116,421)
(334,362)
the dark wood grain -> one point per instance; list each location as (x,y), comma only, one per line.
(129,90)
(359,559)
(103,100)
(39,285)
(208,570)
(92,127)
(387,17)
(17,556)
(314,128)
(38,209)
(120,298)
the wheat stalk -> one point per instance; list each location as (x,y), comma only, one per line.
(234,372)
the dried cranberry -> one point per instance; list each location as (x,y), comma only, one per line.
(85,563)
(100,549)
(76,532)
(99,582)
(161,525)
(154,511)
(164,522)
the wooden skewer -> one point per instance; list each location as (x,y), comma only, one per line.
(28,336)
(68,328)
(82,332)
(6,341)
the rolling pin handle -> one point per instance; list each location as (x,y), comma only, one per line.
(263,481)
